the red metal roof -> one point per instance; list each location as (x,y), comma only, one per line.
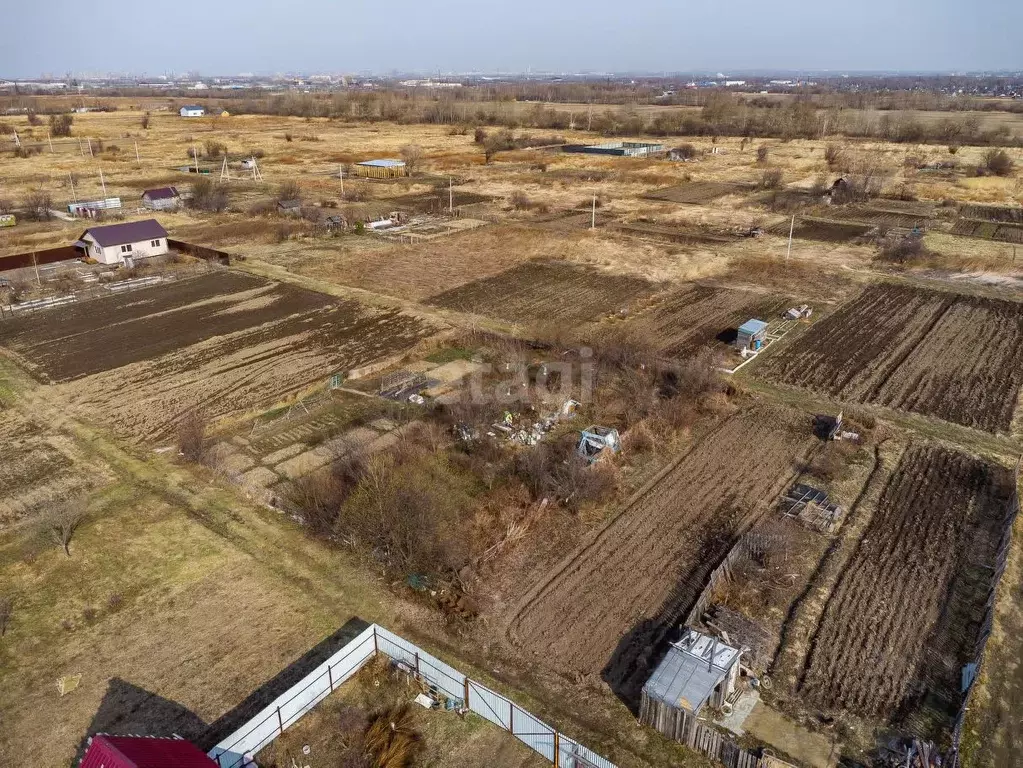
(143,752)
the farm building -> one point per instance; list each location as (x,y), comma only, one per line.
(191,110)
(143,752)
(698,670)
(618,148)
(161,198)
(752,335)
(117,243)
(384,168)
(289,207)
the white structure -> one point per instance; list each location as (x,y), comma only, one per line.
(121,243)
(191,110)
(161,199)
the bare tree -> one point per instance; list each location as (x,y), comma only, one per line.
(144,122)
(762,153)
(38,205)
(288,190)
(412,154)
(60,522)
(208,195)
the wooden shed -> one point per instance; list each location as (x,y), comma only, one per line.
(752,335)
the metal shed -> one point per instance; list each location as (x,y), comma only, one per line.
(752,335)
(143,752)
(697,670)
(384,168)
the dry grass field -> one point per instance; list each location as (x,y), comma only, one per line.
(182,595)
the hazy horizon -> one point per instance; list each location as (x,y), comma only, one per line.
(316,36)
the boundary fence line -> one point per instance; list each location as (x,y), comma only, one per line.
(240,748)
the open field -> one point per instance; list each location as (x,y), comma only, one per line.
(224,342)
(903,619)
(695,316)
(695,192)
(607,608)
(40,466)
(956,357)
(546,292)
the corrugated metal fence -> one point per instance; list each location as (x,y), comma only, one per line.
(1000,563)
(238,749)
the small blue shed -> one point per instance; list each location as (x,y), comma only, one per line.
(752,335)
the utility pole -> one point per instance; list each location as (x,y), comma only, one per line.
(102,182)
(593,213)
(49,140)
(35,263)
(451,197)
(195,156)
(137,158)
(81,149)
(72,180)
(341,175)
(792,227)
(17,139)
(90,147)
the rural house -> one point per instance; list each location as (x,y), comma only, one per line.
(191,110)
(143,752)
(698,670)
(117,243)
(385,168)
(161,198)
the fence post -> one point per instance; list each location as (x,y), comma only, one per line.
(375,649)
(466,693)
(557,748)
(280,722)
(511,717)
(417,663)
(330,678)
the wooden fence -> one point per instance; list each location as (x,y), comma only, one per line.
(683,726)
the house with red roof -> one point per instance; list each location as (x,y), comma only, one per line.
(106,751)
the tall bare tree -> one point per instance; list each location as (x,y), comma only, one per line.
(412,154)
(60,522)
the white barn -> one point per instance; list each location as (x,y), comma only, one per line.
(117,243)
(191,110)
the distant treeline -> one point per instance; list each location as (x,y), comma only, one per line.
(706,112)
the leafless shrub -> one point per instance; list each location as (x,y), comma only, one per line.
(997,163)
(6,612)
(6,206)
(114,602)
(835,157)
(412,154)
(638,439)
(208,195)
(33,118)
(317,497)
(214,149)
(762,153)
(60,125)
(770,178)
(288,190)
(193,445)
(146,119)
(37,206)
(479,136)
(684,151)
(903,250)
(90,614)
(60,521)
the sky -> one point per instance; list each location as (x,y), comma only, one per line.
(352,36)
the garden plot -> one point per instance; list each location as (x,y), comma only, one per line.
(697,316)
(543,292)
(696,192)
(607,608)
(225,343)
(989,230)
(956,357)
(821,230)
(880,216)
(905,616)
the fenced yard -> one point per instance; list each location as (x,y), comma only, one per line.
(238,749)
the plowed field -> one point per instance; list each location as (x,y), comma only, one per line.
(904,617)
(607,607)
(956,357)
(225,342)
(696,316)
(546,292)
